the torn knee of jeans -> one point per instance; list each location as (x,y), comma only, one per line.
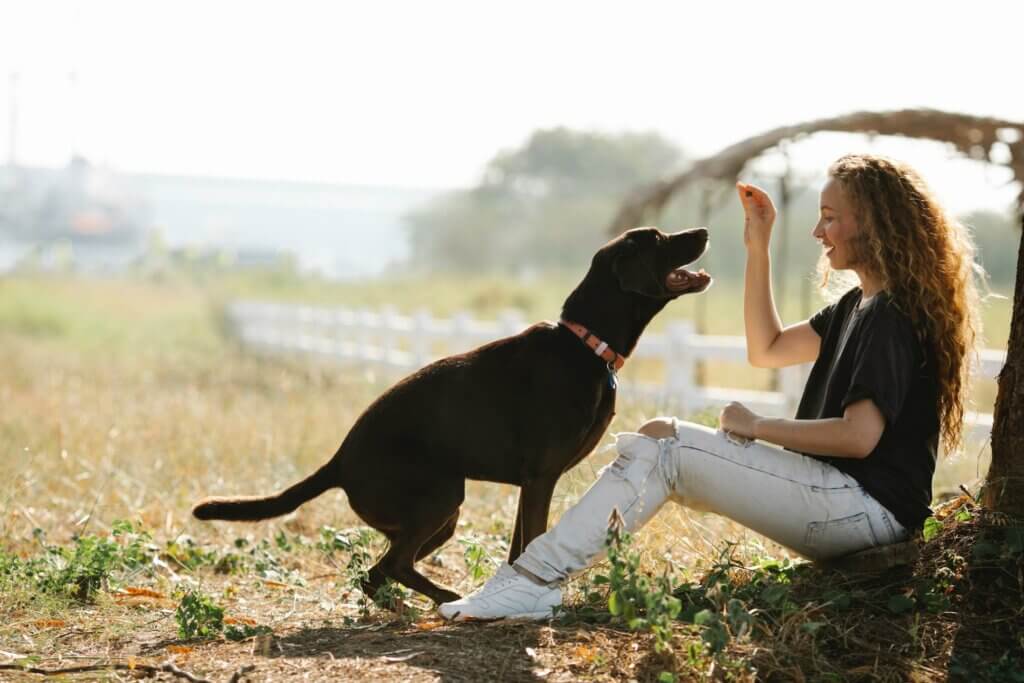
(660,428)
(634,443)
(676,426)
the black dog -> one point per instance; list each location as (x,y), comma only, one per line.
(520,410)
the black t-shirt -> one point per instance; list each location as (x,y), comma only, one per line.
(872,352)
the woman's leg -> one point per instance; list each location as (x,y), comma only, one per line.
(637,484)
(799,502)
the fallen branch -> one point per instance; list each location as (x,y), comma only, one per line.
(166,667)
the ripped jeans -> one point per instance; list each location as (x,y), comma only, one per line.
(799,502)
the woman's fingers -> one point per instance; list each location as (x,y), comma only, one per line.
(755,200)
(745,192)
(753,194)
(759,214)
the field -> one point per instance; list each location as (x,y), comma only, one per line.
(123,404)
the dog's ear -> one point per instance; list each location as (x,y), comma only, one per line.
(635,270)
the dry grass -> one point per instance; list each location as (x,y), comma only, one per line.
(121,401)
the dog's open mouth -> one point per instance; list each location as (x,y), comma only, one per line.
(682,281)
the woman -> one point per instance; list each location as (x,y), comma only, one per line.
(855,466)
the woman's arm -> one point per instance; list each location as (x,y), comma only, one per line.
(854,435)
(761,320)
(769,345)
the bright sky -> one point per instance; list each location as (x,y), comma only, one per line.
(424,93)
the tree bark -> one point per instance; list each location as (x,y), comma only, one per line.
(1004,485)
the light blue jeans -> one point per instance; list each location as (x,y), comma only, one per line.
(799,502)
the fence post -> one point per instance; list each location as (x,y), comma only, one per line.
(679,366)
(420,342)
(388,335)
(365,319)
(338,332)
(460,340)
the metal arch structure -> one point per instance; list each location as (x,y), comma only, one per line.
(973,136)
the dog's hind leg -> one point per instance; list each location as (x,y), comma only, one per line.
(375,577)
(397,564)
(440,537)
(415,528)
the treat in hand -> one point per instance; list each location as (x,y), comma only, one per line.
(760,216)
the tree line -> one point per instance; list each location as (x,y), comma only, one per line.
(546,205)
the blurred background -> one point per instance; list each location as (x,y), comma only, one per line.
(454,163)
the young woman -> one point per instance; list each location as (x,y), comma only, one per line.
(854,468)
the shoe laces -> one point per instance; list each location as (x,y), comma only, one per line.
(503,578)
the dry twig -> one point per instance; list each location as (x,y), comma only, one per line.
(166,667)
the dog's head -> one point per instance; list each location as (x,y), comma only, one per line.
(650,263)
(632,278)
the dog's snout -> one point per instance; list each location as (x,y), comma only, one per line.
(700,233)
(690,244)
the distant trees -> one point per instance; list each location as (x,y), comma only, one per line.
(541,206)
(546,205)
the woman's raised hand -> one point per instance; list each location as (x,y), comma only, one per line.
(760,216)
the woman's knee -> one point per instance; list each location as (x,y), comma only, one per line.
(659,428)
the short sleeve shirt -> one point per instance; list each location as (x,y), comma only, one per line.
(872,352)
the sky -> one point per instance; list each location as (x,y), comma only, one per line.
(423,94)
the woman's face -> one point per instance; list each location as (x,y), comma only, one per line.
(837,227)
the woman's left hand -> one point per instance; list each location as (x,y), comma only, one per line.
(738,419)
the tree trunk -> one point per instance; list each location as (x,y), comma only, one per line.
(1004,485)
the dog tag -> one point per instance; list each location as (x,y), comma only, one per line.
(613,379)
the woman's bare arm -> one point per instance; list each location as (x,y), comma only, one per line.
(854,435)
(768,344)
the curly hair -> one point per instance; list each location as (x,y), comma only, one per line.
(924,259)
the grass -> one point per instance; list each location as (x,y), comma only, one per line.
(122,401)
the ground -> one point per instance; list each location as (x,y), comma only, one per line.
(124,401)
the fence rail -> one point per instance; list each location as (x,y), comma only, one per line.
(407,342)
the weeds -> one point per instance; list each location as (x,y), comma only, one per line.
(357,543)
(79,571)
(478,560)
(198,616)
(643,603)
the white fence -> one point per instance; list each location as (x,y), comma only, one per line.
(404,343)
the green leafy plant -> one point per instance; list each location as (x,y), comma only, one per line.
(88,565)
(244,631)
(357,544)
(477,559)
(187,555)
(198,616)
(932,527)
(642,602)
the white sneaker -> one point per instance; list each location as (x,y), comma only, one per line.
(506,595)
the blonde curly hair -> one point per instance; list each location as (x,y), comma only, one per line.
(924,259)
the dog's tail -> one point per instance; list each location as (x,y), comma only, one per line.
(252,508)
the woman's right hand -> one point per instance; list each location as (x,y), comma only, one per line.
(760,216)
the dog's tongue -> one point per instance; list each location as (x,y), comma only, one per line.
(682,279)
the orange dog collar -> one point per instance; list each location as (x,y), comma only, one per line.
(601,349)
